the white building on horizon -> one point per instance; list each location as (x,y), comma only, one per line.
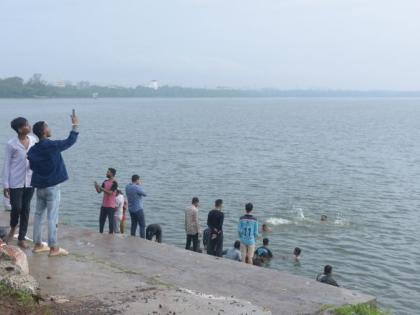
(154,84)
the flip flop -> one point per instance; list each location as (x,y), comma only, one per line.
(60,252)
(43,248)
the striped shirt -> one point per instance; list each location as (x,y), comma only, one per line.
(248,229)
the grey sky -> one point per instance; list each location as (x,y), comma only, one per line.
(355,44)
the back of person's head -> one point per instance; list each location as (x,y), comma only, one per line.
(218,203)
(248,207)
(113,171)
(237,244)
(297,251)
(18,123)
(328,269)
(135,178)
(195,201)
(38,129)
(265,241)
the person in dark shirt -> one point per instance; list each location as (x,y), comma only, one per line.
(206,237)
(326,277)
(215,224)
(49,171)
(262,254)
(154,230)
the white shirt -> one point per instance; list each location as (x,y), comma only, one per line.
(16,171)
(119,201)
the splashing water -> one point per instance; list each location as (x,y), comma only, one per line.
(278,221)
(299,213)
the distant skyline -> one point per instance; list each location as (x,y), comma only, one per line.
(283,44)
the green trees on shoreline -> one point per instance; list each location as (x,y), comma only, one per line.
(35,87)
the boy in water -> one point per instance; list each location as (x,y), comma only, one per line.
(233,253)
(296,254)
(262,254)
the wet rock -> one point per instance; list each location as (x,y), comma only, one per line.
(15,255)
(14,271)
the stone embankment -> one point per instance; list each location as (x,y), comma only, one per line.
(118,274)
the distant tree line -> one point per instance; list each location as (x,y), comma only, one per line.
(35,87)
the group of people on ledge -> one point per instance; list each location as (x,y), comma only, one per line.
(114,207)
(36,163)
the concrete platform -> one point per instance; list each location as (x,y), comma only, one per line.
(110,274)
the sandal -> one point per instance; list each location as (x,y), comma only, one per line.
(41,249)
(59,252)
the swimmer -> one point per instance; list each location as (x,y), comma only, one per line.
(266,229)
(324,218)
(262,254)
(296,254)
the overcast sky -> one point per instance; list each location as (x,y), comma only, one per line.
(340,44)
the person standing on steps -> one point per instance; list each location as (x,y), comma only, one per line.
(109,188)
(49,171)
(135,195)
(192,225)
(17,177)
(215,223)
(248,232)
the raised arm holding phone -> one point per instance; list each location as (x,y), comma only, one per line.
(49,171)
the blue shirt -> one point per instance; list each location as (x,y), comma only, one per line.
(46,162)
(135,194)
(248,229)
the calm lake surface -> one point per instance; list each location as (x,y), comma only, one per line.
(355,160)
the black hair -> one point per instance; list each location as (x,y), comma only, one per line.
(38,129)
(113,171)
(119,192)
(297,251)
(218,203)
(135,178)
(18,123)
(265,241)
(237,244)
(327,269)
(249,207)
(195,200)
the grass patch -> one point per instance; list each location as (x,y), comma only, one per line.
(360,309)
(21,297)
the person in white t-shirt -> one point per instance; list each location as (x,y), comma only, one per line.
(17,177)
(118,214)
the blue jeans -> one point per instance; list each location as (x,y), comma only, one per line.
(47,200)
(137,218)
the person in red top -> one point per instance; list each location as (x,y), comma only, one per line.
(109,188)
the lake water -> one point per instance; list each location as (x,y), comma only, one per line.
(355,160)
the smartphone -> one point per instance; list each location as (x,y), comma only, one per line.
(73,112)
